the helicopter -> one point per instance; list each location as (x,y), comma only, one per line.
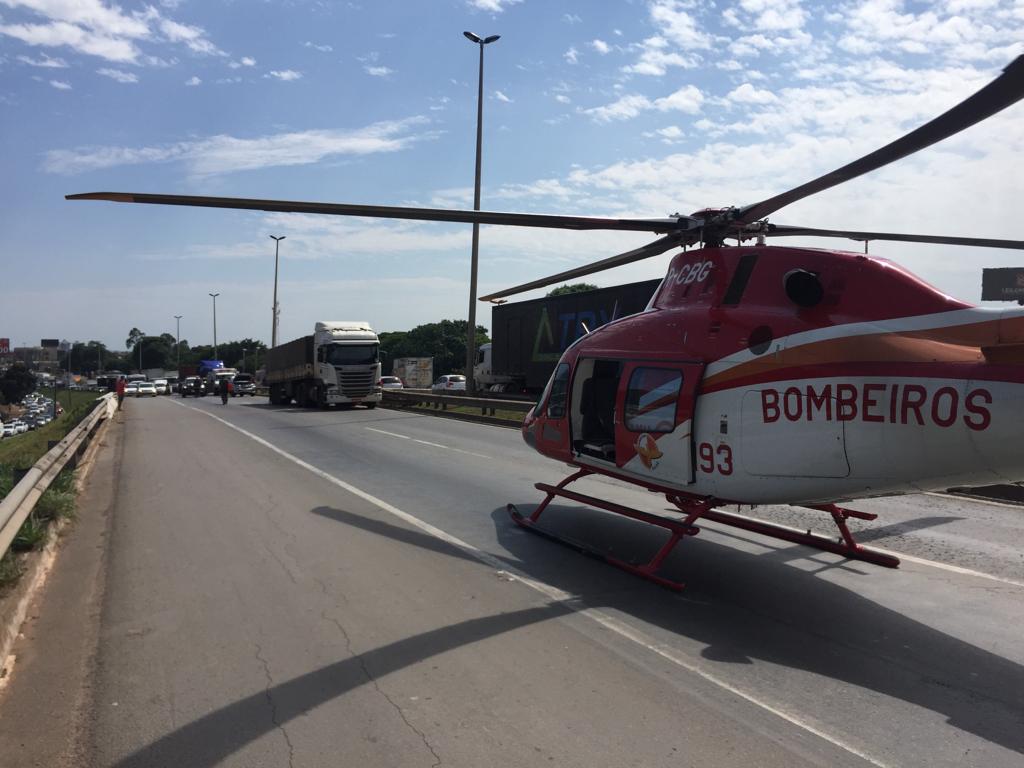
(763,374)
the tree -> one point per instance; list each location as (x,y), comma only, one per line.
(16,382)
(134,336)
(574,288)
(444,341)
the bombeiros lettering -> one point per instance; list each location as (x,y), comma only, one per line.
(910,404)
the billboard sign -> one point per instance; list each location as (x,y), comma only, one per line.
(1002,284)
(49,343)
(5,346)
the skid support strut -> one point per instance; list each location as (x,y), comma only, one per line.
(694,509)
(677,528)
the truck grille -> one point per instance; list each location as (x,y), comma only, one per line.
(355,383)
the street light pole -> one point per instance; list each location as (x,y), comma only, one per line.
(273,326)
(140,353)
(471,330)
(243,359)
(214,295)
(177,341)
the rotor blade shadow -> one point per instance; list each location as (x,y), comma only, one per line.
(205,742)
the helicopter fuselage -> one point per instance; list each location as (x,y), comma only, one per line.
(787,375)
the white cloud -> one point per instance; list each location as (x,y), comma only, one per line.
(60,85)
(680,28)
(769,15)
(284,74)
(687,99)
(494,6)
(245,61)
(572,56)
(561,98)
(46,61)
(626,108)
(217,155)
(321,48)
(377,71)
(193,81)
(656,56)
(571,18)
(502,97)
(600,46)
(748,94)
(94,28)
(119,75)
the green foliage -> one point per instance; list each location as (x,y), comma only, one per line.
(32,534)
(444,341)
(10,569)
(574,288)
(16,382)
(59,498)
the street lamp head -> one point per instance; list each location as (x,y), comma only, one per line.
(473,38)
(215,295)
(491,39)
(279,239)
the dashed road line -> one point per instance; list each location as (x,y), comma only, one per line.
(427,442)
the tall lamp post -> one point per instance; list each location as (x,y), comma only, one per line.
(214,296)
(243,359)
(177,341)
(471,332)
(273,326)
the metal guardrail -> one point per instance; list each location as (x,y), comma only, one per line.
(487,405)
(19,503)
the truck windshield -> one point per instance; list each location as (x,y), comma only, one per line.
(350,354)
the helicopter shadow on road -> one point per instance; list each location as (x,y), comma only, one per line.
(758,606)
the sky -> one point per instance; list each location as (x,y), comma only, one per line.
(619,107)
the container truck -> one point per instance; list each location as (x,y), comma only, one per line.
(529,337)
(415,372)
(339,364)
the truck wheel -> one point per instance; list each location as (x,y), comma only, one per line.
(371,406)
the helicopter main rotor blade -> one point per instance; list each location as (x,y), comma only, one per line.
(778,230)
(657,226)
(1005,90)
(643,252)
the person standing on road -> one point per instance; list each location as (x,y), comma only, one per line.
(119,388)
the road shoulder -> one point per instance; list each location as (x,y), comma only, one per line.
(44,704)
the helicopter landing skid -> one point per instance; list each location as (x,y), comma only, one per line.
(648,570)
(694,509)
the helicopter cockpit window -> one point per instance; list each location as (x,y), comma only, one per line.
(651,400)
(559,391)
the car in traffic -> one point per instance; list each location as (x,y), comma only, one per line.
(10,429)
(452,382)
(193,386)
(131,389)
(145,389)
(243,384)
(391,382)
(162,387)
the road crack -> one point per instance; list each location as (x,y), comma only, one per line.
(376,686)
(273,706)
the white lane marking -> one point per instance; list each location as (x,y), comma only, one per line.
(427,442)
(558,595)
(389,434)
(901,555)
(975,499)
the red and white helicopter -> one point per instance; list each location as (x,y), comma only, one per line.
(768,375)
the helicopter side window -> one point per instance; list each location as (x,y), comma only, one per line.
(559,392)
(651,400)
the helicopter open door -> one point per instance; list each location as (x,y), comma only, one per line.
(636,416)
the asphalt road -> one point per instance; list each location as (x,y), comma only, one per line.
(345,588)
